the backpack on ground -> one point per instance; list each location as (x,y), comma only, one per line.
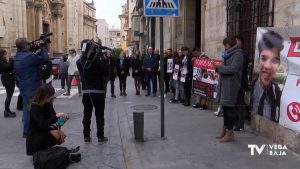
(55,158)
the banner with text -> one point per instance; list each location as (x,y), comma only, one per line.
(205,78)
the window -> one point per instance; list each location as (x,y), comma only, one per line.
(243,18)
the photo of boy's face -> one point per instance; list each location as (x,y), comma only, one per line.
(269,62)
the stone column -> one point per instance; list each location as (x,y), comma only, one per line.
(39,17)
(30,14)
(56,11)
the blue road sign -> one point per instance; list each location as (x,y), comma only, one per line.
(162,8)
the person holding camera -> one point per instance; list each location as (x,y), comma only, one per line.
(63,71)
(27,66)
(44,130)
(93,70)
(8,81)
(73,71)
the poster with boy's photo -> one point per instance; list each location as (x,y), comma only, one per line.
(169,65)
(270,95)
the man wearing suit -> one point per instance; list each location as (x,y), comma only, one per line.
(150,65)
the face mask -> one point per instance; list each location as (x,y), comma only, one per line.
(225,55)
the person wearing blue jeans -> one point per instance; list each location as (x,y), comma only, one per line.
(27,66)
(150,65)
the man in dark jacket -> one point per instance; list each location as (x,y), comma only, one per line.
(150,65)
(143,78)
(27,66)
(8,81)
(187,71)
(92,69)
(111,63)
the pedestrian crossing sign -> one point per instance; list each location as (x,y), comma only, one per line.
(162,8)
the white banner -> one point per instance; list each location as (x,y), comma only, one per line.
(176,71)
(276,87)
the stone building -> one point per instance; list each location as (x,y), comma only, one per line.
(124,18)
(70,21)
(114,38)
(102,30)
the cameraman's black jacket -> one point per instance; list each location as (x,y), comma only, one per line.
(92,73)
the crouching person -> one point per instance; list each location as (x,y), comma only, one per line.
(44,130)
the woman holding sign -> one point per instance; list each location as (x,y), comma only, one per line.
(230,82)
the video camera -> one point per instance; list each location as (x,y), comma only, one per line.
(92,49)
(44,37)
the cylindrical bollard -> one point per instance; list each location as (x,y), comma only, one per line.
(138,125)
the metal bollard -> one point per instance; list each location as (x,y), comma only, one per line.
(138,125)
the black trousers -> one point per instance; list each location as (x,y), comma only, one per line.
(143,80)
(229,116)
(112,86)
(167,83)
(20,102)
(90,101)
(63,80)
(122,81)
(151,77)
(137,83)
(187,90)
(10,88)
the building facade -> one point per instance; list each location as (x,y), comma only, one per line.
(124,19)
(114,38)
(70,21)
(102,30)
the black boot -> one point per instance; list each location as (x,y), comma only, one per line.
(9,114)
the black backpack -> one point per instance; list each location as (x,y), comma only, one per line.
(53,158)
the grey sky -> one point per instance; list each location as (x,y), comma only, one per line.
(109,10)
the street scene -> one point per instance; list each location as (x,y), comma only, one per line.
(149,84)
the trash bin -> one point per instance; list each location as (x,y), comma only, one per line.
(138,125)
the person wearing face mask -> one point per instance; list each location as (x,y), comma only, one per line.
(266,94)
(229,85)
(44,131)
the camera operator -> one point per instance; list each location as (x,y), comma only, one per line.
(27,66)
(92,69)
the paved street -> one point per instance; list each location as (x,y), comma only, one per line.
(190,138)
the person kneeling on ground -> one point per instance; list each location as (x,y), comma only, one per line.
(44,130)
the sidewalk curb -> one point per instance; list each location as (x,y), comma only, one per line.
(132,161)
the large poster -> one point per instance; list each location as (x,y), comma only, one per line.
(276,84)
(205,79)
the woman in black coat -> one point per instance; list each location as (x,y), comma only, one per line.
(136,64)
(8,80)
(44,130)
(122,66)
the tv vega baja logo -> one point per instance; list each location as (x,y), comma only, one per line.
(271,149)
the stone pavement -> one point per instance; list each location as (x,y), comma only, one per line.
(190,138)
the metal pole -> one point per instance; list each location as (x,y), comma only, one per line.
(162,70)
